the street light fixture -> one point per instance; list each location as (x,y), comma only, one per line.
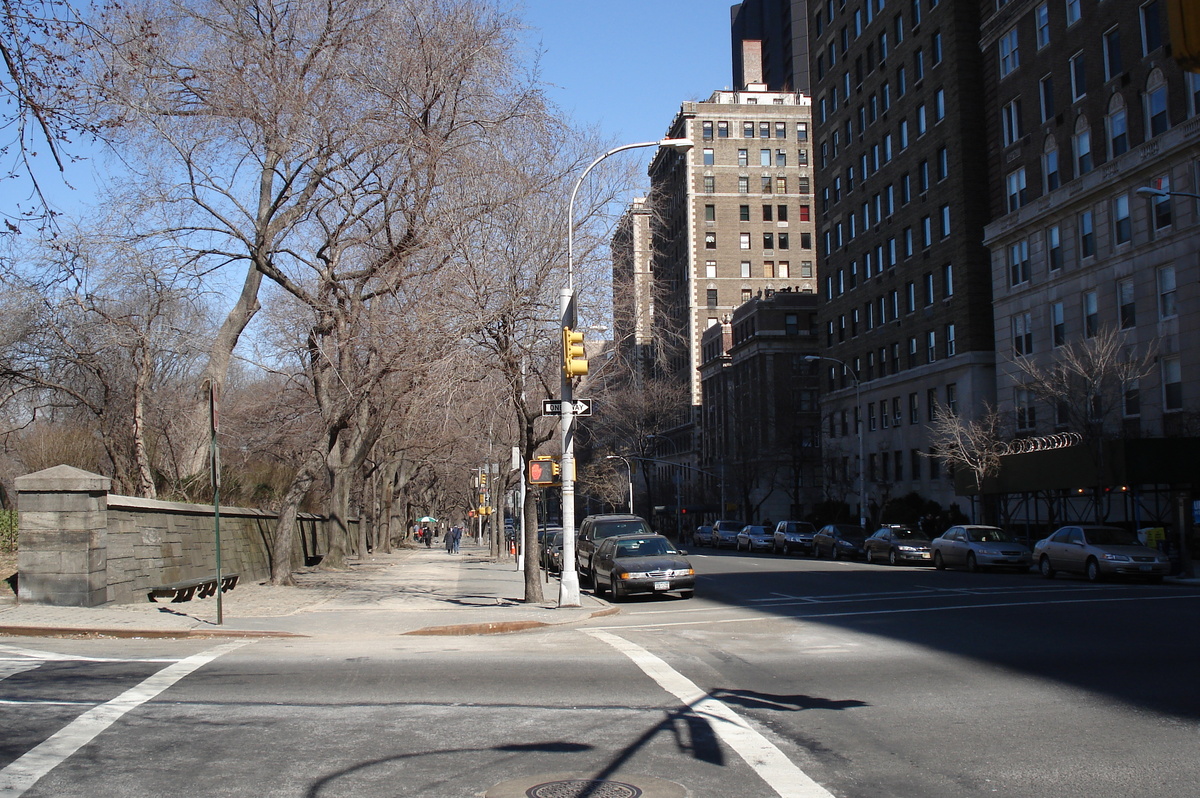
(568,586)
(628,473)
(858,424)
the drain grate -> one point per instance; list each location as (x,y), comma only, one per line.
(583,788)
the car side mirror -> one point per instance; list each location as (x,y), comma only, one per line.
(683,552)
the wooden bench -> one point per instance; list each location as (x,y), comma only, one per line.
(185,590)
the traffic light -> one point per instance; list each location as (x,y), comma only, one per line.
(574,356)
(542,471)
(556,470)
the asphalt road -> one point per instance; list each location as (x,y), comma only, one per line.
(783,677)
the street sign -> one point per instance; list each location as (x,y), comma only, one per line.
(554,407)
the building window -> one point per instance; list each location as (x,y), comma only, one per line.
(1010,56)
(930,347)
(1023,403)
(1054,250)
(743,213)
(1151,33)
(1058,324)
(1126,309)
(782,213)
(764,158)
(939,105)
(780,185)
(711,297)
(945,221)
(746,294)
(748,130)
(1118,127)
(743,157)
(710,240)
(782,240)
(765,185)
(1133,399)
(707,128)
(1112,54)
(1010,122)
(1072,12)
(1091,314)
(928,288)
(1161,206)
(743,241)
(1156,104)
(936,48)
(1046,97)
(1166,292)
(745,266)
(710,213)
(1082,142)
(1018,262)
(710,184)
(1016,189)
(943,164)
(951,347)
(1122,226)
(743,184)
(710,269)
(1041,19)
(952,398)
(768,241)
(1078,77)
(709,158)
(780,159)
(1172,384)
(722,130)
(1050,175)
(1087,235)
(1022,334)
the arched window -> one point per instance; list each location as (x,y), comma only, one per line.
(1117,126)
(1082,145)
(1050,175)
(1156,104)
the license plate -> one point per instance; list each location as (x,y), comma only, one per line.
(662,585)
(1147,567)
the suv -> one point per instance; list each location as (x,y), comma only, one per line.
(596,528)
(794,536)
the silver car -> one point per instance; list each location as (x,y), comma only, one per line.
(1097,552)
(755,538)
(794,536)
(977,547)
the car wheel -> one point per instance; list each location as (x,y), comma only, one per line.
(1046,568)
(892,557)
(870,556)
(615,589)
(938,562)
(687,594)
(775,548)
(598,588)
(833,552)
(1092,570)
(972,563)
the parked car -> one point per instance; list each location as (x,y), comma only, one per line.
(703,536)
(898,544)
(792,536)
(596,528)
(725,533)
(839,541)
(976,547)
(552,553)
(1097,552)
(755,538)
(628,564)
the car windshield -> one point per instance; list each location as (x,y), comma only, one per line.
(1110,537)
(650,547)
(909,534)
(607,529)
(989,535)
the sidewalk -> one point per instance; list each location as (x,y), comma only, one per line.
(411,591)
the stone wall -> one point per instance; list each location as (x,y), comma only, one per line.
(79,545)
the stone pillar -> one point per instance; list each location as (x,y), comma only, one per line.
(62,552)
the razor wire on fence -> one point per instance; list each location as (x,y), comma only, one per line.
(1042,443)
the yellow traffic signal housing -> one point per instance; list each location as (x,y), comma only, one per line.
(541,472)
(1184,21)
(575,362)
(556,469)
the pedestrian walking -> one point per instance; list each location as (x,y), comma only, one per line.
(449,541)
(456,539)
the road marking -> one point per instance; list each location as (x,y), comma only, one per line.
(771,765)
(35,763)
(898,611)
(54,656)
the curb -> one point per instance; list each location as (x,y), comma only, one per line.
(156,634)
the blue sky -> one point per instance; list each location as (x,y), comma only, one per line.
(626,65)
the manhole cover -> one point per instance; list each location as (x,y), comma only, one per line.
(583,788)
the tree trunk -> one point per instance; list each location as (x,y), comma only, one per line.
(285,527)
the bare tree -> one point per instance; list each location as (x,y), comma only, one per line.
(974,445)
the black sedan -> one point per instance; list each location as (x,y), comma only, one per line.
(840,541)
(898,544)
(628,564)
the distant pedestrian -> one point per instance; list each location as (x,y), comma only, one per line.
(449,541)
(456,539)
(428,536)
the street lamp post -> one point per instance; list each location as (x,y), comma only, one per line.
(858,424)
(628,473)
(568,586)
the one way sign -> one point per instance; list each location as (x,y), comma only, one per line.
(553,407)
